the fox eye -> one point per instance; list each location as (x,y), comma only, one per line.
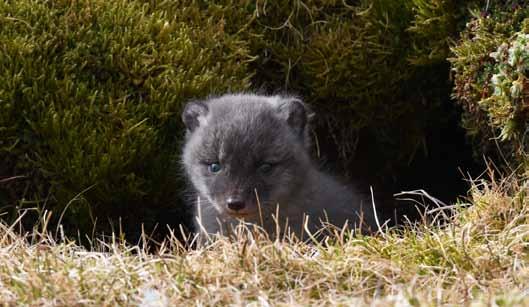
(214,167)
(265,168)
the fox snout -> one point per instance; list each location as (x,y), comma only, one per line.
(238,204)
(235,204)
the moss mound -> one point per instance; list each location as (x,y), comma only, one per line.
(371,66)
(91,94)
(491,69)
(92,91)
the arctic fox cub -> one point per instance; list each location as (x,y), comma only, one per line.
(248,156)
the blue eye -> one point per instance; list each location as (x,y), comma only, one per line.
(265,168)
(214,167)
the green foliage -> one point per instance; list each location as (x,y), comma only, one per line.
(491,68)
(91,95)
(370,64)
(338,55)
(92,90)
(433,27)
(510,88)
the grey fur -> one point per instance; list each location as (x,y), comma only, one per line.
(245,134)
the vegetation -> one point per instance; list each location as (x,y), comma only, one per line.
(90,97)
(92,90)
(90,102)
(479,258)
(491,68)
(369,66)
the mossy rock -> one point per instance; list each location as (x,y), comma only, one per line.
(91,95)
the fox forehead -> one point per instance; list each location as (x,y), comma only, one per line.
(242,146)
(272,101)
(243,129)
(242,143)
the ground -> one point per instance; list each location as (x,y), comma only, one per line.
(479,257)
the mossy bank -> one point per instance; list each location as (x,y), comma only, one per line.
(92,91)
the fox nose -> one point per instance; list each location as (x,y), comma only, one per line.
(235,204)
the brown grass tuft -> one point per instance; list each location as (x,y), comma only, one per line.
(480,258)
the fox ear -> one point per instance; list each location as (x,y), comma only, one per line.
(296,114)
(193,114)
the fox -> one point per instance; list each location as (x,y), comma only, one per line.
(247,159)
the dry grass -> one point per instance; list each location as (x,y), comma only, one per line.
(479,258)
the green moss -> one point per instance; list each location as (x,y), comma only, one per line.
(369,66)
(491,69)
(92,92)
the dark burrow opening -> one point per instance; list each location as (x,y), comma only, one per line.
(442,168)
